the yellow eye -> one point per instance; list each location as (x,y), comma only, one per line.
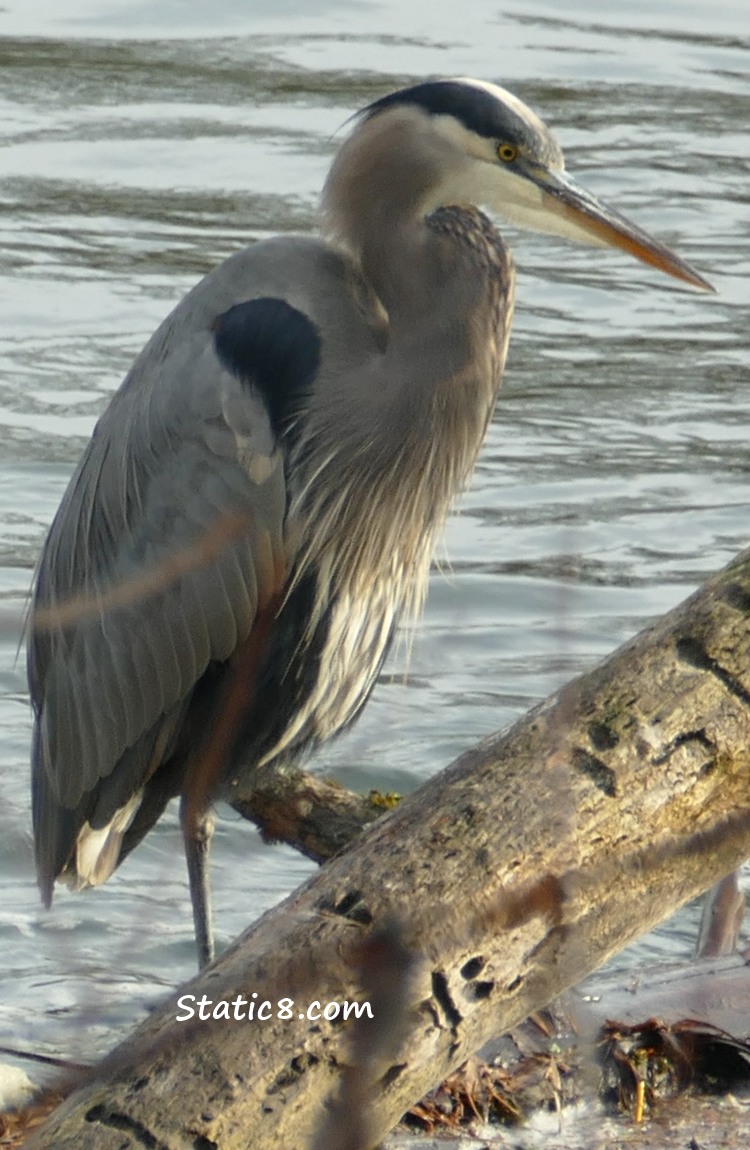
(507,152)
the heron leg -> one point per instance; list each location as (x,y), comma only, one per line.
(197,828)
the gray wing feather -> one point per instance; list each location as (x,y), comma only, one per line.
(104,680)
(171,459)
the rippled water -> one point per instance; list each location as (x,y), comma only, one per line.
(141,143)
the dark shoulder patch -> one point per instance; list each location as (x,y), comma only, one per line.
(270,345)
(474,107)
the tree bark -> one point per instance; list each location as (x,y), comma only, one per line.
(497,885)
(315,816)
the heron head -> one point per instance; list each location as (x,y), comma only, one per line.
(489,149)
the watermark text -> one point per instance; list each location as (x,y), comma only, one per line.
(242,1009)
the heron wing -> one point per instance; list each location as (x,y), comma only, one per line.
(170,538)
(173,533)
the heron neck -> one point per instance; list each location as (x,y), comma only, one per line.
(446,284)
(375,201)
(401,262)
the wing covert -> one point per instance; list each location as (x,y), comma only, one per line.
(161,551)
(173,531)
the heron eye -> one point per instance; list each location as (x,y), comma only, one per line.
(507,152)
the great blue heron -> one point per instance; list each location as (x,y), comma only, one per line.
(258,504)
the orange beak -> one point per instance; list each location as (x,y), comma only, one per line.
(588,218)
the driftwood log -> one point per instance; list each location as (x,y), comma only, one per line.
(498,884)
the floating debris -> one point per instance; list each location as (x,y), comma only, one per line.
(652,1060)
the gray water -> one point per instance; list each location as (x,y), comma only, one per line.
(142,142)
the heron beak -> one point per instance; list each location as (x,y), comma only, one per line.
(582,213)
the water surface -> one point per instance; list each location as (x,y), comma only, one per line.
(140,143)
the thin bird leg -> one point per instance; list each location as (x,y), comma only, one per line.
(205,768)
(197,828)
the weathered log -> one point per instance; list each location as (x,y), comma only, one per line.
(724,909)
(513,873)
(315,816)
